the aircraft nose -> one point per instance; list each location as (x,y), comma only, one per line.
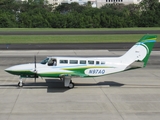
(8,69)
(13,70)
(20,69)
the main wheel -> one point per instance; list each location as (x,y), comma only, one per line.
(20,84)
(71,85)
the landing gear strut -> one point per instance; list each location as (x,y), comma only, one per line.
(68,82)
(20,84)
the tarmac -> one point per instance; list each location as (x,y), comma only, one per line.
(131,95)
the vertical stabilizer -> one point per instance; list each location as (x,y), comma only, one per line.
(140,51)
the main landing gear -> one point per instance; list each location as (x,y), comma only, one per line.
(71,85)
(66,79)
(68,82)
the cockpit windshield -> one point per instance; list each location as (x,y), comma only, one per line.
(45,61)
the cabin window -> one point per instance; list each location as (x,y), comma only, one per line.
(97,62)
(102,62)
(90,62)
(64,61)
(73,61)
(82,61)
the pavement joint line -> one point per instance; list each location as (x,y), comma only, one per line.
(14,104)
(112,104)
(110,100)
(75,52)
(155,75)
(37,53)
(113,52)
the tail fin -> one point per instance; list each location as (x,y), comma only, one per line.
(140,51)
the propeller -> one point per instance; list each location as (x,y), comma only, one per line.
(35,69)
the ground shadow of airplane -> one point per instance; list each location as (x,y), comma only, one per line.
(105,83)
(55,85)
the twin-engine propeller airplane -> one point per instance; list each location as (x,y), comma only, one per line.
(67,67)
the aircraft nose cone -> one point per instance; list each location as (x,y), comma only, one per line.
(24,69)
(8,69)
(12,70)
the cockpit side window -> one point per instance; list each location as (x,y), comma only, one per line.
(52,62)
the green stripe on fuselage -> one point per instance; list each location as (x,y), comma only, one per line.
(20,72)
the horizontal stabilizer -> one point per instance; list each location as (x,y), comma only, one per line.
(134,65)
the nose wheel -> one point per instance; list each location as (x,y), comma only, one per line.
(20,84)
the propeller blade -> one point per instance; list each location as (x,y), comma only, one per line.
(35,62)
(35,75)
(35,79)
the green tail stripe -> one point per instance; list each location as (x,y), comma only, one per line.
(148,42)
(148,37)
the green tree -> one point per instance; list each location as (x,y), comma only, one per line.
(149,13)
(7,20)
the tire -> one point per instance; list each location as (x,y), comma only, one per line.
(20,85)
(71,85)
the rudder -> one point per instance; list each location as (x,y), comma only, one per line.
(148,42)
(141,50)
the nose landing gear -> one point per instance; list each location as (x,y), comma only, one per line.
(20,83)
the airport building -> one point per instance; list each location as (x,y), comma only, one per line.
(94,3)
(100,3)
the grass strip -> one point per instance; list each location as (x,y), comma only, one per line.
(78,29)
(70,38)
